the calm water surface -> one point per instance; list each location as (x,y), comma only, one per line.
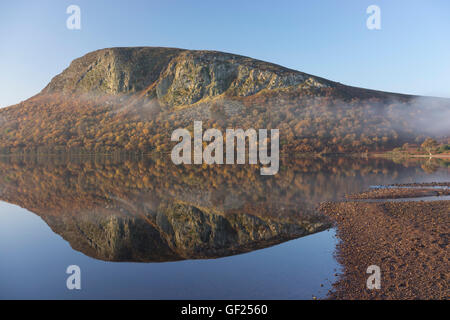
(147,229)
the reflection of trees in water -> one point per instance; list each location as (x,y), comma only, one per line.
(430,166)
(151,210)
(300,184)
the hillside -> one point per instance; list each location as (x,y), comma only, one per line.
(133,98)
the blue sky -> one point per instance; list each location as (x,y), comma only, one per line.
(327,38)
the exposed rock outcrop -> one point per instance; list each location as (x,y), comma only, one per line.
(175,76)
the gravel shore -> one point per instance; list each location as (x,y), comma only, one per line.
(396,193)
(407,240)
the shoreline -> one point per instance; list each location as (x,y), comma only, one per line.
(407,240)
(398,155)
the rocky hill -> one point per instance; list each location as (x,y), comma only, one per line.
(175,76)
(133,98)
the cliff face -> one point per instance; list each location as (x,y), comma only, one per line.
(114,70)
(176,76)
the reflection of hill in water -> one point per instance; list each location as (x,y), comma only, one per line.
(151,210)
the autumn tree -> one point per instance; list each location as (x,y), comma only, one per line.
(429,145)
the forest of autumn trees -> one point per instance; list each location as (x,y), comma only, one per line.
(309,122)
